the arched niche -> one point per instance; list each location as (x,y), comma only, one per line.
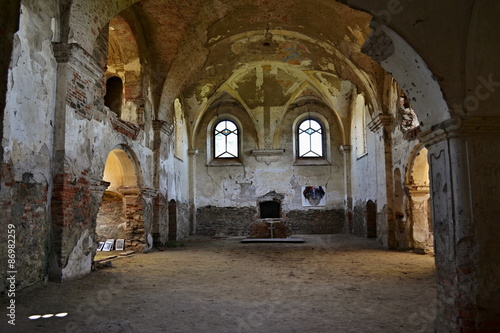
(120,171)
(418,184)
(124,66)
(120,214)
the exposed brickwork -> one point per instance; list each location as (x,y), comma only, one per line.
(124,127)
(71,200)
(182,220)
(315,221)
(358,221)
(24,204)
(232,221)
(111,219)
(262,229)
(135,223)
(224,221)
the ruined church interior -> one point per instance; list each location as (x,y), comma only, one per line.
(161,123)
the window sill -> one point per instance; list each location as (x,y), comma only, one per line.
(361,156)
(311,161)
(225,162)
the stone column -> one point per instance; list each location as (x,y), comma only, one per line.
(75,194)
(386,229)
(346,154)
(421,236)
(148,203)
(465,192)
(158,210)
(192,190)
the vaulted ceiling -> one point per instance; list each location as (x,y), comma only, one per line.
(260,52)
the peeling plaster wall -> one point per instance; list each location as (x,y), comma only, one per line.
(235,189)
(27,141)
(364,182)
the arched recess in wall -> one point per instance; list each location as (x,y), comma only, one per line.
(223,102)
(124,73)
(316,111)
(398,231)
(120,213)
(172,220)
(419,200)
(226,107)
(371,219)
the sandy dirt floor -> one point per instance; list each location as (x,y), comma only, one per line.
(329,283)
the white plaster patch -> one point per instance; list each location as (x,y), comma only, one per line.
(80,260)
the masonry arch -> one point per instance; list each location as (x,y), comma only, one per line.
(124,73)
(419,200)
(120,214)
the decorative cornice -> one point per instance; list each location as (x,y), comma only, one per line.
(267,155)
(147,192)
(380,121)
(62,52)
(345,148)
(457,127)
(163,126)
(124,127)
(74,53)
(193,152)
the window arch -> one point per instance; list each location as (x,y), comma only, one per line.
(310,139)
(114,95)
(226,139)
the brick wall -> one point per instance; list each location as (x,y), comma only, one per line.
(316,221)
(224,221)
(233,221)
(111,221)
(24,204)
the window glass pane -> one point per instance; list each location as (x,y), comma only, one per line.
(310,139)
(226,140)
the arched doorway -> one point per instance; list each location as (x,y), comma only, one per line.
(120,214)
(421,231)
(371,219)
(172,220)
(400,218)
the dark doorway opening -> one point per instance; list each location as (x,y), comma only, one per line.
(371,219)
(270,209)
(172,220)
(114,95)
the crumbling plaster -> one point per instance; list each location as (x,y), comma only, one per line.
(444,74)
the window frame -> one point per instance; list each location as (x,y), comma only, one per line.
(303,133)
(325,137)
(212,160)
(214,135)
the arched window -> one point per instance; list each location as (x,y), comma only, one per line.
(226,139)
(310,139)
(114,95)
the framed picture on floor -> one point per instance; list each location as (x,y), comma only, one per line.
(119,244)
(108,246)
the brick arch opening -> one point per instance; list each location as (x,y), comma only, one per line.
(114,95)
(120,214)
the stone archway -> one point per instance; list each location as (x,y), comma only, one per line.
(419,205)
(120,214)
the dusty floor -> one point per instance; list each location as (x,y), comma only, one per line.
(330,283)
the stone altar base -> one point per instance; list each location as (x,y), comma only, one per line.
(270,228)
